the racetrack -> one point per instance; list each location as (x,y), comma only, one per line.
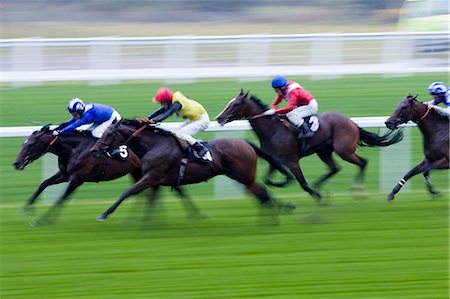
(350,248)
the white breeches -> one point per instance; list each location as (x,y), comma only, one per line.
(189,128)
(98,130)
(297,115)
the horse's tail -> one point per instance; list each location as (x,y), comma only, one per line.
(275,163)
(367,138)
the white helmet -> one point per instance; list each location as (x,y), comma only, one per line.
(437,88)
(76,105)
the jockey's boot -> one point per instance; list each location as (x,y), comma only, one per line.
(305,131)
(200,148)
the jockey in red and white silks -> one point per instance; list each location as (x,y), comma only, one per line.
(300,102)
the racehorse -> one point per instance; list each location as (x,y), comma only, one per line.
(164,162)
(435,131)
(77,165)
(336,133)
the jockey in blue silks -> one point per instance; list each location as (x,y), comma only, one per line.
(100,116)
(441,94)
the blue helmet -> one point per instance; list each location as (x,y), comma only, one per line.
(76,105)
(437,88)
(279,81)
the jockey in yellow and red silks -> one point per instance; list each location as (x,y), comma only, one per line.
(195,115)
(301,103)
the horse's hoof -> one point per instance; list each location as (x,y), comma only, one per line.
(390,197)
(26,210)
(435,193)
(102,217)
(36,223)
(286,208)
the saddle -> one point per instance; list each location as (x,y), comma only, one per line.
(306,130)
(190,152)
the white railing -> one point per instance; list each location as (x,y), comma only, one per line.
(239,125)
(397,154)
(239,56)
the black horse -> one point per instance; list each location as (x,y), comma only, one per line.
(435,131)
(77,165)
(336,133)
(164,162)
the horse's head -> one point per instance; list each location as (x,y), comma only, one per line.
(115,135)
(409,109)
(34,147)
(239,107)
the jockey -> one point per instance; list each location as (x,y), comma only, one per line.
(300,103)
(441,94)
(196,117)
(101,117)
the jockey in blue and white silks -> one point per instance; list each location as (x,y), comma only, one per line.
(99,115)
(441,94)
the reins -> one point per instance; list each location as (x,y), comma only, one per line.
(135,133)
(426,113)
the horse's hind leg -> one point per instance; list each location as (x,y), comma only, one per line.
(353,158)
(326,156)
(57,178)
(416,170)
(267,203)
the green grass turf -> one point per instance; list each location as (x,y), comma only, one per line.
(349,249)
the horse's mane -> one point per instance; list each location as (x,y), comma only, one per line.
(258,101)
(433,111)
(150,127)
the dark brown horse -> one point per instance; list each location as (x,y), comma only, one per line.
(435,131)
(162,160)
(336,133)
(76,166)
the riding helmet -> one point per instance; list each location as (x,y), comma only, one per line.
(163,94)
(279,81)
(437,88)
(76,105)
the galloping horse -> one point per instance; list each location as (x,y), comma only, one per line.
(164,164)
(336,133)
(435,131)
(76,166)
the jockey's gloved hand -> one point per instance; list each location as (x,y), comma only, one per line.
(55,133)
(269,112)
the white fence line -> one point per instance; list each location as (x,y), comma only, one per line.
(35,60)
(400,154)
(239,125)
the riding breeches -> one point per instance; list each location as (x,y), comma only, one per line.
(98,130)
(297,115)
(189,128)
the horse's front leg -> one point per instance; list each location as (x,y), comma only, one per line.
(53,212)
(144,183)
(297,172)
(57,178)
(416,170)
(192,210)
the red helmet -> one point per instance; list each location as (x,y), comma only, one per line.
(163,94)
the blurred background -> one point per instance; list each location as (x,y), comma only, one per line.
(358,57)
